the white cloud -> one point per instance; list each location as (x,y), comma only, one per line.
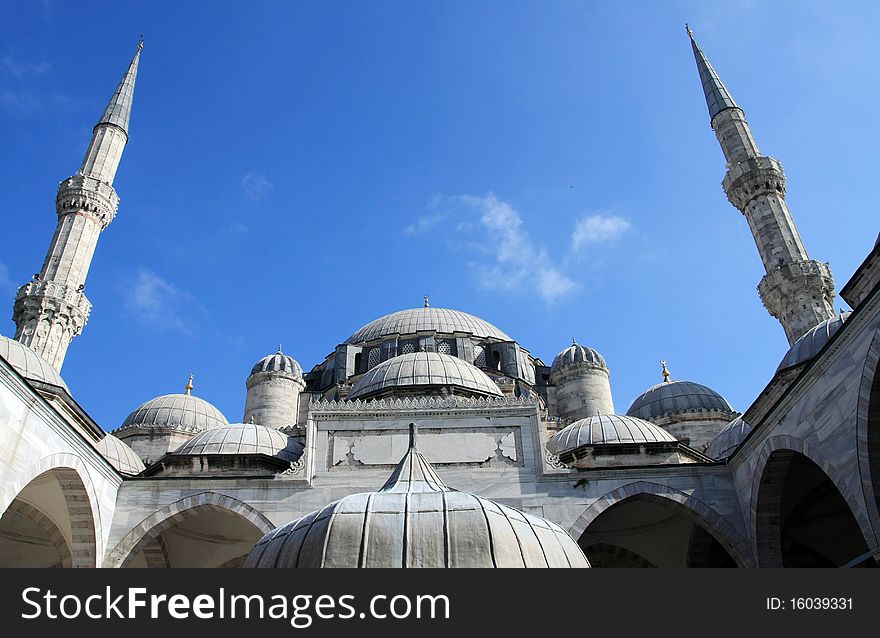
(159,303)
(256,185)
(598,228)
(423,224)
(7,286)
(18,69)
(516,261)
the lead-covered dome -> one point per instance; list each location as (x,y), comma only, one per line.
(423,371)
(606,429)
(120,455)
(674,397)
(809,344)
(728,439)
(243,438)
(414,520)
(577,354)
(428,319)
(279,363)
(28,363)
(181,412)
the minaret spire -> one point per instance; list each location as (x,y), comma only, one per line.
(797,290)
(52,309)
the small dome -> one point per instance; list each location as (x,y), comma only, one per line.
(575,354)
(606,429)
(808,346)
(278,362)
(414,520)
(673,397)
(28,363)
(119,455)
(437,320)
(243,438)
(424,369)
(726,441)
(182,412)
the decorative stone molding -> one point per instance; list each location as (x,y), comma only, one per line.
(419,403)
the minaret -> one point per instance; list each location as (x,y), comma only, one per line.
(797,290)
(52,309)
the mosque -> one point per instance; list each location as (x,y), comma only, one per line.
(430,437)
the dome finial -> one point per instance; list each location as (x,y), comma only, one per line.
(189,384)
(574,341)
(279,349)
(413,435)
(665,371)
(140,43)
(689,32)
(427,301)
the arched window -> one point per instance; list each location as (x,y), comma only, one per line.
(374,358)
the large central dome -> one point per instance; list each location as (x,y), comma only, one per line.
(441,320)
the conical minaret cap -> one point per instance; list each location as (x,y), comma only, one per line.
(118,111)
(718,97)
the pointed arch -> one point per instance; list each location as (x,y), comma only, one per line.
(721,529)
(145,534)
(868,436)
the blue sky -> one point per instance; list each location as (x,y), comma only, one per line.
(296,170)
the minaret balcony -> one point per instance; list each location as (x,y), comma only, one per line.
(80,193)
(753,177)
(56,294)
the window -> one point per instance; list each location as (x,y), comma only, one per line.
(373,358)
(444,347)
(408,348)
(479,357)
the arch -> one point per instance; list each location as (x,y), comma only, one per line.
(146,533)
(868,432)
(706,517)
(83,511)
(801,517)
(53,534)
(788,443)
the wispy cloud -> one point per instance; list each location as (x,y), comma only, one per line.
(598,228)
(256,186)
(160,304)
(7,286)
(19,69)
(425,223)
(516,261)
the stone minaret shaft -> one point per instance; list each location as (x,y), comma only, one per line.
(52,309)
(797,290)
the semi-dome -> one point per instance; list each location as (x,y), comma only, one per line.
(674,397)
(421,370)
(809,344)
(243,438)
(414,520)
(278,362)
(120,455)
(607,429)
(576,354)
(726,441)
(28,363)
(182,412)
(427,319)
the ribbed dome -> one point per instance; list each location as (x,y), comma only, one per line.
(439,320)
(243,438)
(120,456)
(182,412)
(726,441)
(808,346)
(575,354)
(278,362)
(414,520)
(673,397)
(424,369)
(607,429)
(28,363)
